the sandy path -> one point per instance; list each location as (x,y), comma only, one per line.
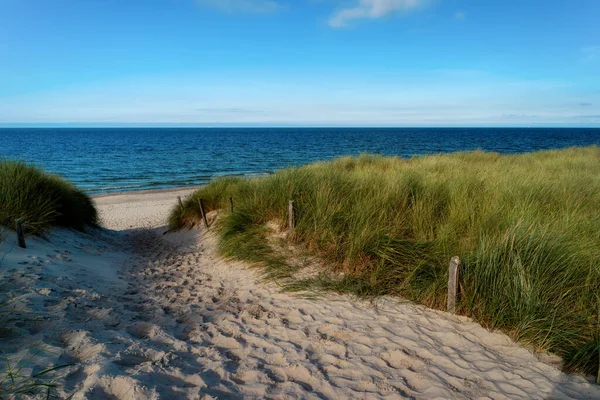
(144,316)
(134,210)
(241,338)
(244,339)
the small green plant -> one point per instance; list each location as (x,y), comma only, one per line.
(525,226)
(14,382)
(42,200)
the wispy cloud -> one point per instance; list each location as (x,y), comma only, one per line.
(242,6)
(231,110)
(372,9)
(418,98)
(460,15)
(519,116)
(596,117)
(590,53)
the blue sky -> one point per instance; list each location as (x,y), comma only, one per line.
(300,62)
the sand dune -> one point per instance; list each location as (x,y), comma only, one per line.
(142,315)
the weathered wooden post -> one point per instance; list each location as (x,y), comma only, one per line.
(21,234)
(201,204)
(453,283)
(291,217)
(598,376)
(231,204)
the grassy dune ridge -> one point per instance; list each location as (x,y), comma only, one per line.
(526,227)
(42,200)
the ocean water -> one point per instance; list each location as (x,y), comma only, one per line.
(101,160)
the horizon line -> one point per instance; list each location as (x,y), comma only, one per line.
(19,125)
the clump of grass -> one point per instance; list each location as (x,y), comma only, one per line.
(214,196)
(526,227)
(15,382)
(41,200)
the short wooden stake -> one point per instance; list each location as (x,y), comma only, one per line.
(453,283)
(231,204)
(21,234)
(201,204)
(598,376)
(291,217)
(180,202)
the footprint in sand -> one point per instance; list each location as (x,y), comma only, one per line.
(143,330)
(79,347)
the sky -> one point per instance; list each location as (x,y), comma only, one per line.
(300,62)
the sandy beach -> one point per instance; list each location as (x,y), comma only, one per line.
(138,314)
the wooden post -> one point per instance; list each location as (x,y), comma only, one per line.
(291,217)
(180,202)
(453,283)
(231,204)
(201,204)
(598,376)
(21,234)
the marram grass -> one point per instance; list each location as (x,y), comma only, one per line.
(526,227)
(41,200)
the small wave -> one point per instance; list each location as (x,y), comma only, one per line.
(117,187)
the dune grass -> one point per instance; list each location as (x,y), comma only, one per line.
(41,200)
(526,227)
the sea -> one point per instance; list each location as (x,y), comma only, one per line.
(105,160)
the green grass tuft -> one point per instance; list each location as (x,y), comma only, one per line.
(41,200)
(16,383)
(526,227)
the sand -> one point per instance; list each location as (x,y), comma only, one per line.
(135,210)
(142,315)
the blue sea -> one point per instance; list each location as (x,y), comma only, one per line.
(103,160)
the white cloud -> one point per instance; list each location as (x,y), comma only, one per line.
(372,9)
(244,6)
(460,15)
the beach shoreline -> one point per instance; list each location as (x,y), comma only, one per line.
(132,210)
(144,192)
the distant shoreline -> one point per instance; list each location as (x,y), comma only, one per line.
(249,127)
(146,191)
